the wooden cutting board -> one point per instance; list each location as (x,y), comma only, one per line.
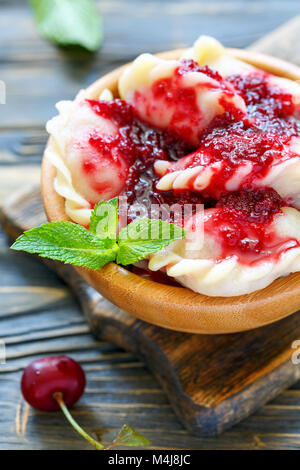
(212,381)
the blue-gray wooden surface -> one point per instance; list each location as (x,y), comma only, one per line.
(38,315)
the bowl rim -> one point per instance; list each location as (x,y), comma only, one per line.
(179,308)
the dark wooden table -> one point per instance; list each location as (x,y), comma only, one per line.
(38,315)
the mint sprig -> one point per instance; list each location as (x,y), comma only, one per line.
(67,242)
(73,244)
(145,236)
(69,22)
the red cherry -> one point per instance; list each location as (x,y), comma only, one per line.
(44,377)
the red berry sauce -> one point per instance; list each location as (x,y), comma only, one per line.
(261,137)
(140,145)
(243,225)
(262,97)
(172,92)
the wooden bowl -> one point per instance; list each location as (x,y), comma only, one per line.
(179,308)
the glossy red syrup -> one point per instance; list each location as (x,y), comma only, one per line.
(243,225)
(139,145)
(190,65)
(135,140)
(262,97)
(172,93)
(236,145)
(261,138)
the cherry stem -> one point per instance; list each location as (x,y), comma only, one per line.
(59,398)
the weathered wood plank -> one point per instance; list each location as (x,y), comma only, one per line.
(24,146)
(17,299)
(176,24)
(30,63)
(12,178)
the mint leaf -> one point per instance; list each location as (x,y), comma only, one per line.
(67,242)
(129,437)
(73,244)
(145,236)
(104,220)
(69,22)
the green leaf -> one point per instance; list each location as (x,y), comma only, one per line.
(69,22)
(67,242)
(104,220)
(145,236)
(129,437)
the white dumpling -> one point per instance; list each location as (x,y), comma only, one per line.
(199,172)
(208,51)
(95,174)
(177,96)
(201,263)
(86,172)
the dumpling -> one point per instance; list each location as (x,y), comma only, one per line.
(178,96)
(242,245)
(208,51)
(86,141)
(85,150)
(225,163)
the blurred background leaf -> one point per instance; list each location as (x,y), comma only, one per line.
(69,22)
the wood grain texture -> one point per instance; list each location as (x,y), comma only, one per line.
(212,381)
(29,63)
(38,75)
